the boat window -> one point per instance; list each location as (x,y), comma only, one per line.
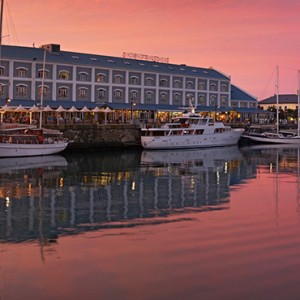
(199,131)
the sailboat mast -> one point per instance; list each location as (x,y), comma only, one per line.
(1,22)
(277,100)
(298,92)
(42,89)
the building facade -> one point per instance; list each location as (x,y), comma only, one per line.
(90,80)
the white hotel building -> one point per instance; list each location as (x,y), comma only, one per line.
(80,79)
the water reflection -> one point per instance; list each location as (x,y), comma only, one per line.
(55,195)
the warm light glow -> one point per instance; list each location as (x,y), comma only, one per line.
(7,202)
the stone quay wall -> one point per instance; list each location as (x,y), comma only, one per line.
(103,136)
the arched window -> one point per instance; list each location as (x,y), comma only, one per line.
(149,96)
(101,93)
(163,82)
(134,95)
(2,71)
(149,81)
(189,85)
(213,100)
(177,84)
(83,76)
(202,99)
(100,77)
(46,91)
(224,87)
(63,92)
(177,97)
(63,75)
(134,80)
(82,93)
(118,79)
(21,90)
(22,72)
(118,94)
(202,85)
(43,73)
(163,96)
(213,86)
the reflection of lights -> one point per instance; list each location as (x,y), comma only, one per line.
(61,182)
(7,202)
(271,168)
(218,177)
(133,185)
(226,167)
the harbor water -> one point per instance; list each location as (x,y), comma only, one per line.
(215,223)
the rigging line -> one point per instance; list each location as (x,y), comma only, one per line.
(268,84)
(11,23)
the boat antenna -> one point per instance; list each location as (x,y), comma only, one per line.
(277,100)
(42,89)
(298,92)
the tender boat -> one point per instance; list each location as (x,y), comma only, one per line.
(30,141)
(190,131)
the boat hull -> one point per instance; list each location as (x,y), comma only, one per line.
(266,140)
(192,141)
(18,150)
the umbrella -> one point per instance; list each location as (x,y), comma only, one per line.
(106,111)
(7,108)
(97,109)
(21,108)
(34,108)
(47,108)
(60,109)
(73,109)
(85,109)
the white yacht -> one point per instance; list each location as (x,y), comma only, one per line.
(190,131)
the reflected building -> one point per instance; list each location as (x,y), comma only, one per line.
(90,191)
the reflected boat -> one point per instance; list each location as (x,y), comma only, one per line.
(7,165)
(202,159)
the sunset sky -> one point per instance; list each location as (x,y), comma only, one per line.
(241,38)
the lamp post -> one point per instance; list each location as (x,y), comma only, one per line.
(132,104)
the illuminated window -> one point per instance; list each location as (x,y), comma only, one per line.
(63,75)
(100,77)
